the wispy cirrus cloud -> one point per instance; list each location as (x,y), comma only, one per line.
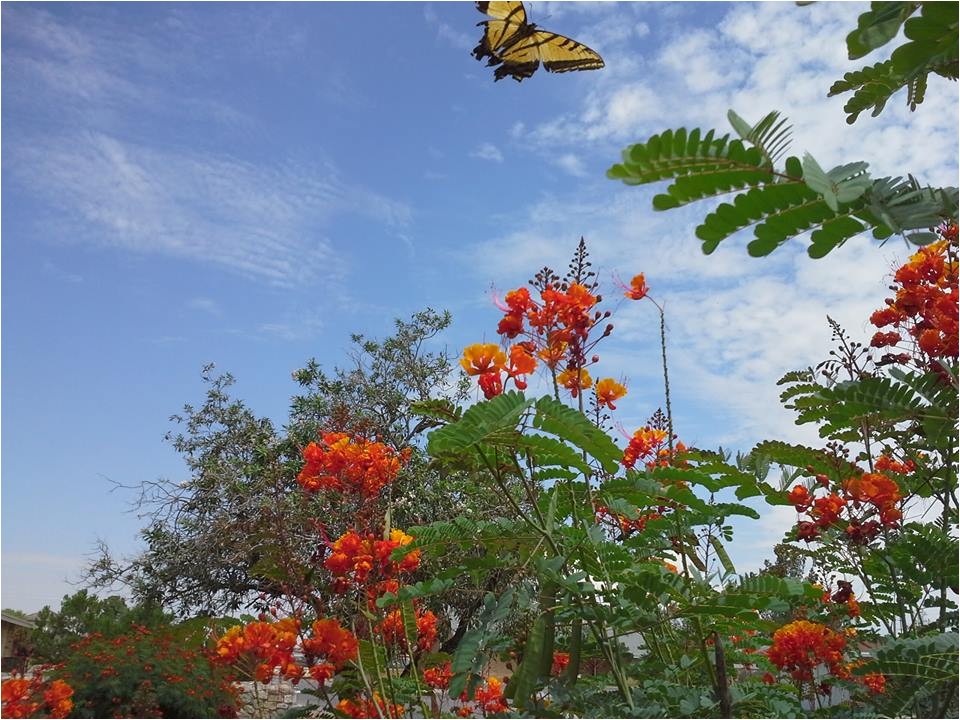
(264,222)
(100,150)
(741,64)
(448,33)
(487,151)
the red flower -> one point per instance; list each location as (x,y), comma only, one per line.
(876,682)
(560,662)
(638,288)
(800,498)
(800,646)
(438,677)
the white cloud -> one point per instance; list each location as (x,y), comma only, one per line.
(488,151)
(448,33)
(693,56)
(205,305)
(760,57)
(267,223)
(571,163)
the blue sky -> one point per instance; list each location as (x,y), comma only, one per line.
(247,184)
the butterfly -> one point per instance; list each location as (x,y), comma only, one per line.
(519,47)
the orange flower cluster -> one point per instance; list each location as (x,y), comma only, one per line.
(650,445)
(488,362)
(925,307)
(438,677)
(392,631)
(23,698)
(347,464)
(800,646)
(271,645)
(332,641)
(862,496)
(885,463)
(876,682)
(370,708)
(488,698)
(359,558)
(557,329)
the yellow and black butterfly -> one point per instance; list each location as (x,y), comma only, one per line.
(519,47)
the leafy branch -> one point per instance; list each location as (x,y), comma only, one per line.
(779,204)
(932,48)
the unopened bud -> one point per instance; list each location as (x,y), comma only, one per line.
(595,359)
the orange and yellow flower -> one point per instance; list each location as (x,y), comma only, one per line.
(349,464)
(575,380)
(483,358)
(638,288)
(608,392)
(800,646)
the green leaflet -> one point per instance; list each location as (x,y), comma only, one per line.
(523,682)
(932,47)
(483,421)
(424,588)
(554,417)
(780,205)
(878,26)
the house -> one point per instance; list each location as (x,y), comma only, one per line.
(15,632)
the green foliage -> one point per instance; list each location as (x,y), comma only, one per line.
(778,203)
(932,48)
(923,400)
(921,676)
(145,674)
(492,421)
(83,613)
(571,426)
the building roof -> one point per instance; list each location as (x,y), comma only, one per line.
(16,620)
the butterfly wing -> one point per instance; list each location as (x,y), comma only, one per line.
(508,23)
(562,54)
(519,47)
(557,53)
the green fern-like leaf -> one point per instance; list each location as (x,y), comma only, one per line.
(484,420)
(896,400)
(699,168)
(932,48)
(572,426)
(878,26)
(780,205)
(921,672)
(800,456)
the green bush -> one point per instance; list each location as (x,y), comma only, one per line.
(145,673)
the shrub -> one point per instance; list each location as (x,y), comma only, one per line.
(145,673)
